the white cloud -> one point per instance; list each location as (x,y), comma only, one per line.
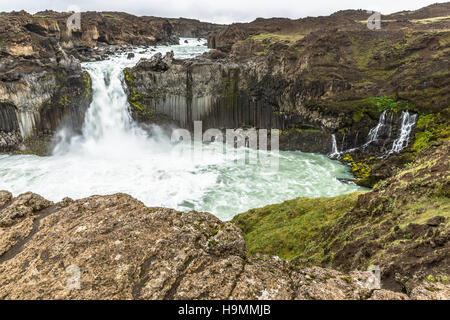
(225,11)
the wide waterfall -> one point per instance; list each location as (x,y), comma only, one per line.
(113,155)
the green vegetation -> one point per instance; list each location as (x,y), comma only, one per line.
(265,40)
(298,130)
(361,170)
(373,106)
(291,228)
(430,128)
(136,99)
(273,37)
(87,83)
(430,20)
(64,101)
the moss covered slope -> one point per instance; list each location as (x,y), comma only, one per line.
(403,225)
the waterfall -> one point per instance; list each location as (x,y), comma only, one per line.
(407,123)
(114,155)
(108,125)
(334,149)
(374,132)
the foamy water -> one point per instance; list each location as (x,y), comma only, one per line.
(114,155)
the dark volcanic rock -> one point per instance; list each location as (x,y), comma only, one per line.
(314,74)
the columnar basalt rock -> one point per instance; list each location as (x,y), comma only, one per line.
(314,78)
(43,99)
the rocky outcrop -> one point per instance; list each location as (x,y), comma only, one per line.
(113,247)
(313,78)
(191,28)
(97,28)
(39,97)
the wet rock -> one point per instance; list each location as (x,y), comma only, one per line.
(130,56)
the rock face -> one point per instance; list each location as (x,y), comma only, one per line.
(190,28)
(402,226)
(314,78)
(42,86)
(40,100)
(224,93)
(334,74)
(113,247)
(96,28)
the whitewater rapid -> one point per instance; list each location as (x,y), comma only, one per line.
(114,155)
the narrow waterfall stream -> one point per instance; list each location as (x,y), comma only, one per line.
(374,132)
(406,125)
(114,155)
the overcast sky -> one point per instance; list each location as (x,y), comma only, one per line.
(219,11)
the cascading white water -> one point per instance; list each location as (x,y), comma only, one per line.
(407,123)
(115,155)
(374,132)
(107,121)
(334,148)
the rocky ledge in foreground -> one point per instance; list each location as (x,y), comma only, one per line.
(114,247)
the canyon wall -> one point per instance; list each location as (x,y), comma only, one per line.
(42,85)
(328,83)
(38,97)
(324,82)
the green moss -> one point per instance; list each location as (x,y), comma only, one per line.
(347,279)
(291,131)
(64,101)
(87,83)
(136,100)
(291,228)
(357,116)
(361,170)
(372,106)
(274,37)
(212,243)
(431,128)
